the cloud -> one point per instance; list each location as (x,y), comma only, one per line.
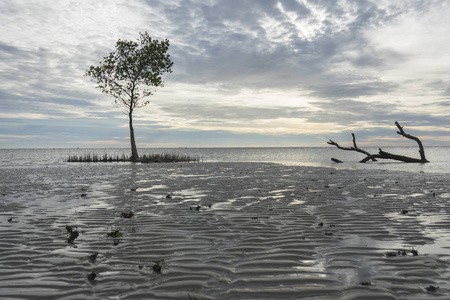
(106,143)
(214,112)
(253,69)
(352,90)
(17,136)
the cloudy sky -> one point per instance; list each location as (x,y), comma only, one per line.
(246,73)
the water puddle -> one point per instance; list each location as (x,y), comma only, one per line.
(441,236)
(313,266)
(153,187)
(416,195)
(190,194)
(354,259)
(224,205)
(296,201)
(444,195)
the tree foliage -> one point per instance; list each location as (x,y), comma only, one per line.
(132,72)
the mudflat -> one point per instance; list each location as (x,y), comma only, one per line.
(222,231)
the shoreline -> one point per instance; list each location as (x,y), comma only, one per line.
(293,156)
(271,231)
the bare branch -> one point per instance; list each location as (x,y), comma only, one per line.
(386,155)
(354,148)
(408,136)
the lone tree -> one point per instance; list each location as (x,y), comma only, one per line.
(131,73)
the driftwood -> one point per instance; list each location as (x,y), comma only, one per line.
(354,148)
(383,154)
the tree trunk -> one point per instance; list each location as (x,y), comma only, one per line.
(134,153)
(386,155)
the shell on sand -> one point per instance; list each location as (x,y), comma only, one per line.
(255,236)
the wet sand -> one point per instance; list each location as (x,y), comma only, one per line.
(227,231)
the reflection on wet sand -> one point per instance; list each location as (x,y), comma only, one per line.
(227,231)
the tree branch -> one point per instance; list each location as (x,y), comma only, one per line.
(354,148)
(408,136)
(386,155)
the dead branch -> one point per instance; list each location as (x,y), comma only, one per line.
(386,155)
(408,136)
(354,148)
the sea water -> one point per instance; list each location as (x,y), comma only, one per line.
(439,157)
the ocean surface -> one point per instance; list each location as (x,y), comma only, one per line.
(439,157)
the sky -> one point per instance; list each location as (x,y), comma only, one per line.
(291,73)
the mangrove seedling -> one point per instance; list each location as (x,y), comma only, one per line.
(69,229)
(114,234)
(73,236)
(127,215)
(157,267)
(93,257)
(402,252)
(432,288)
(391,254)
(91,276)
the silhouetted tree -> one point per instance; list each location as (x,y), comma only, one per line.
(131,73)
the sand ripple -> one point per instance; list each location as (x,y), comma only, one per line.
(227,231)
